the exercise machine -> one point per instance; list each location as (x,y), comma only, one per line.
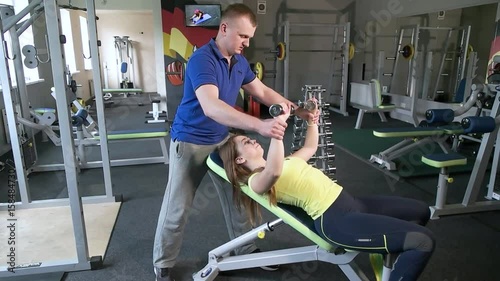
(431,83)
(125,65)
(124,61)
(488,125)
(433,129)
(9,23)
(155,115)
(87,134)
(423,85)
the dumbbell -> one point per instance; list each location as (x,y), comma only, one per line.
(276,110)
(324,157)
(327,145)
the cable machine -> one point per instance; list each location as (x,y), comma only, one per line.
(124,61)
(10,23)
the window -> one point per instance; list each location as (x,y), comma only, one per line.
(85,43)
(26,38)
(69,49)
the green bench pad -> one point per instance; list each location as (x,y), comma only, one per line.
(408,132)
(45,110)
(293,216)
(124,90)
(135,134)
(442,160)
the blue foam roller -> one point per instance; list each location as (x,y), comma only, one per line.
(79,118)
(475,124)
(123,68)
(439,115)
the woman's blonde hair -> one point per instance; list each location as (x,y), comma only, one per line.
(239,175)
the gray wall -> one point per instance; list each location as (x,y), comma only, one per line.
(305,67)
(369,9)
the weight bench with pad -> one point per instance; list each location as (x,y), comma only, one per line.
(425,136)
(219,259)
(364,109)
(370,103)
(125,91)
(442,161)
(143,134)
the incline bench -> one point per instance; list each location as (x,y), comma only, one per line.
(219,259)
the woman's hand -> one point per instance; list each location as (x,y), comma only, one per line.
(314,114)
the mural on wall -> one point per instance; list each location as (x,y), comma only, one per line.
(495,50)
(180,40)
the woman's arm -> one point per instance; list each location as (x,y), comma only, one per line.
(311,141)
(263,181)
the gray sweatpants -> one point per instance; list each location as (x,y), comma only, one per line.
(187,168)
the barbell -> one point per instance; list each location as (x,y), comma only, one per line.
(280,51)
(258,69)
(408,51)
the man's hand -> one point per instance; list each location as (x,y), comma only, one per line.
(275,128)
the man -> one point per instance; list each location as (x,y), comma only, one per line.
(214,75)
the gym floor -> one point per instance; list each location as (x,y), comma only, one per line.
(467,247)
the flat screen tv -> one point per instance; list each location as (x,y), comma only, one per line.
(202,15)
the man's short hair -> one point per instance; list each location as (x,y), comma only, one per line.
(239,10)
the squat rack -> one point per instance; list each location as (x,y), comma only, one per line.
(429,90)
(341,47)
(9,23)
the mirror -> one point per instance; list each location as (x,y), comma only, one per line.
(435,50)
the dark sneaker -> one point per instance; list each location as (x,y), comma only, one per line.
(162,274)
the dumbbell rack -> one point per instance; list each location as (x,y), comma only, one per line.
(324,157)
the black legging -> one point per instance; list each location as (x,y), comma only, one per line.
(381,224)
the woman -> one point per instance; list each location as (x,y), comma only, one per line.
(375,224)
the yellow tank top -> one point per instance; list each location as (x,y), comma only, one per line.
(306,187)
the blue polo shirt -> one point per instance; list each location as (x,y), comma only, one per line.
(208,66)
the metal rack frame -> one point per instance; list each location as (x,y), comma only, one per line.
(345,29)
(10,24)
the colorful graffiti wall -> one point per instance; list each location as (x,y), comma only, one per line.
(179,41)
